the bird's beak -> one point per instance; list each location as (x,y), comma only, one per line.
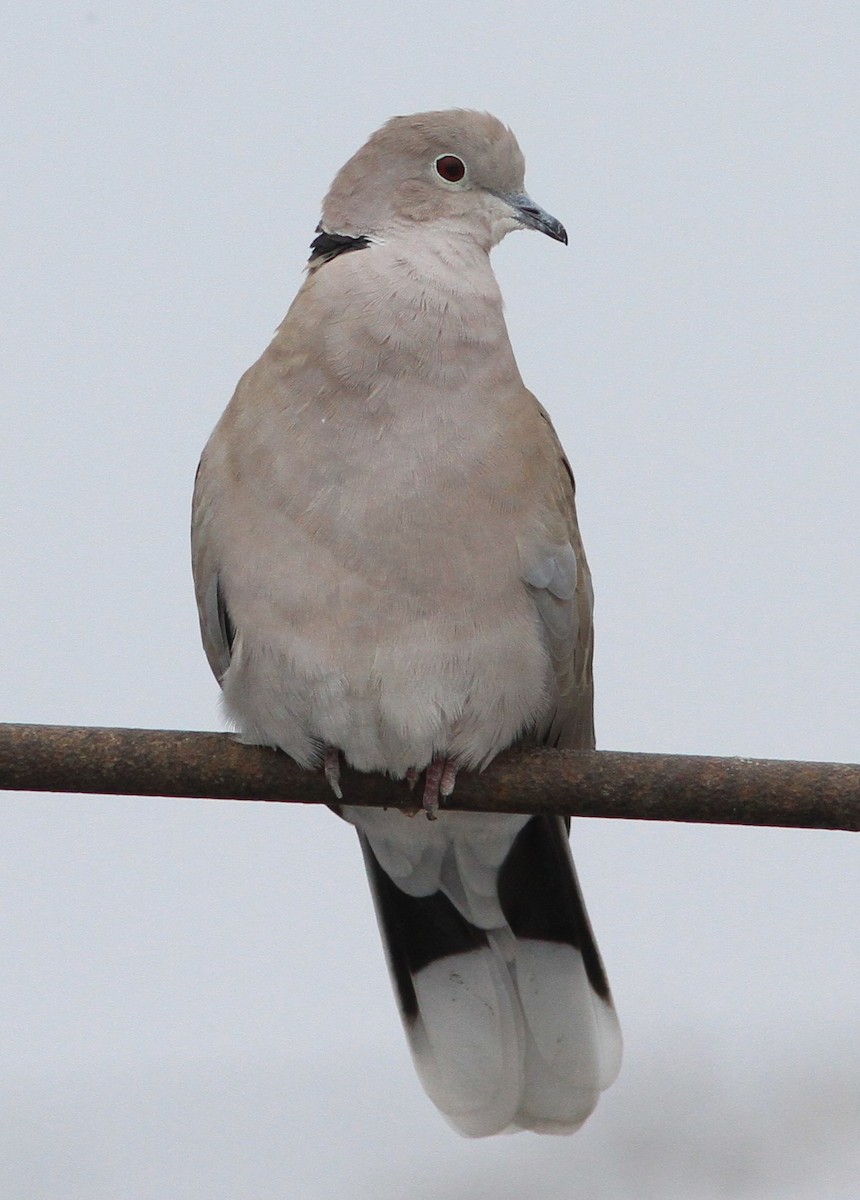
(532,216)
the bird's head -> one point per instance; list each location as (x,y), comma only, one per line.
(459,169)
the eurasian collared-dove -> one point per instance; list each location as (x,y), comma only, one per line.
(388,568)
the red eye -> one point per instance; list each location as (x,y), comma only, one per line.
(449,167)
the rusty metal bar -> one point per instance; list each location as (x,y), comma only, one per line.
(602,783)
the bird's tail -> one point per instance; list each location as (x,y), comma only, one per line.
(509,1016)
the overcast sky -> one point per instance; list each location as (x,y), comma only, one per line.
(195,1003)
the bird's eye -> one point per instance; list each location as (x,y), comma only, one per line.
(450,168)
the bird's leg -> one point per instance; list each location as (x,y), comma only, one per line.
(449,778)
(331,770)
(438,781)
(432,779)
(412,778)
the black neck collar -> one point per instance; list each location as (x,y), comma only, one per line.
(329,245)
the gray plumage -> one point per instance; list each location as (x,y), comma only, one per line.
(388,567)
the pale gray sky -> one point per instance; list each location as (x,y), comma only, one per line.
(195,1001)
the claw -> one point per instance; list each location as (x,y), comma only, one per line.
(449,778)
(331,770)
(432,779)
(438,781)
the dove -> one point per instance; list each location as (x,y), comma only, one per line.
(389,573)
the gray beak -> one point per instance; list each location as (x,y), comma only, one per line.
(532,216)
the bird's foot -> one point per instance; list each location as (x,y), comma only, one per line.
(331,770)
(438,781)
